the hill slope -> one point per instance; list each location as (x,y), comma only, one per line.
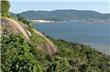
(66,15)
(13,26)
(25,49)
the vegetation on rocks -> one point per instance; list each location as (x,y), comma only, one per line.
(16,55)
(21,55)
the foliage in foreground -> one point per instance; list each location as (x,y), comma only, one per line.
(20,56)
(16,55)
(82,58)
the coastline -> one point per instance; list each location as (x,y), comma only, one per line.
(50,21)
(42,21)
(99,47)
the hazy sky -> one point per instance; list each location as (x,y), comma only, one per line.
(18,6)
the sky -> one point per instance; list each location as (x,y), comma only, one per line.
(18,6)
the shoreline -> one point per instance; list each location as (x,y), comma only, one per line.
(42,21)
(50,21)
(99,47)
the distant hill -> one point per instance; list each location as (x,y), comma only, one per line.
(66,15)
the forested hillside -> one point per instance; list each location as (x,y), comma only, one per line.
(66,15)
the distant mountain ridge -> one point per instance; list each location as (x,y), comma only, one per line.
(66,15)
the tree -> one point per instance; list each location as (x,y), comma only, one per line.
(5,5)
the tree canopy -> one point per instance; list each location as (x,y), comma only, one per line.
(5,5)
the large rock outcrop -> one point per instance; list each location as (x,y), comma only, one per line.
(14,26)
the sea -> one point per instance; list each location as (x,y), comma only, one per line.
(94,34)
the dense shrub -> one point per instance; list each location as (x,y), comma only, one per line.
(16,55)
(81,58)
(20,56)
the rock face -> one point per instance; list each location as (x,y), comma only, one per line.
(13,26)
(47,45)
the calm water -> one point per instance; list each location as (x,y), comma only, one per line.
(94,34)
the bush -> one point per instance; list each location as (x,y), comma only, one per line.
(17,56)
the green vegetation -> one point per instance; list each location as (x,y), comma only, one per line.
(36,38)
(20,55)
(5,8)
(65,15)
(82,58)
(16,55)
